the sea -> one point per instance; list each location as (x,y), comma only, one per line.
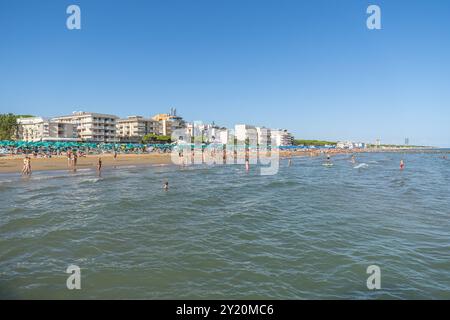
(220,232)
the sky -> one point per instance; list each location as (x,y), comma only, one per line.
(312,66)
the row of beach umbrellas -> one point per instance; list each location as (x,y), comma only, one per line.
(117,146)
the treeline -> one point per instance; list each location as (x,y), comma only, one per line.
(314,143)
(397,146)
(154,138)
(8,125)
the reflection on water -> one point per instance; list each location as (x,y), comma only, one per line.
(219,232)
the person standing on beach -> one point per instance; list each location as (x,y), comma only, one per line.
(69,158)
(29,166)
(99,165)
(224,155)
(75,159)
(26,170)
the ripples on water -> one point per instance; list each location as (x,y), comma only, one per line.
(308,232)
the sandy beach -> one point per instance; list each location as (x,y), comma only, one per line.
(11,164)
(14,164)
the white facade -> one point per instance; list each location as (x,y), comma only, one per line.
(224,136)
(209,132)
(92,127)
(244,132)
(350,145)
(134,128)
(40,129)
(282,137)
(264,136)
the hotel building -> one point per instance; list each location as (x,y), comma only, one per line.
(92,127)
(244,132)
(282,137)
(40,129)
(264,136)
(168,122)
(133,128)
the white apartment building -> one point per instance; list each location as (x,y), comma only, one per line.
(263,136)
(224,136)
(281,137)
(133,128)
(350,145)
(243,132)
(92,127)
(169,122)
(209,132)
(40,129)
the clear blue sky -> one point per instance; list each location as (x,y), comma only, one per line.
(309,66)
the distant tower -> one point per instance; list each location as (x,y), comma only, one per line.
(406,141)
(378,142)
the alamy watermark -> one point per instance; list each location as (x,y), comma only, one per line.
(73,22)
(74,280)
(248,147)
(374,280)
(374,20)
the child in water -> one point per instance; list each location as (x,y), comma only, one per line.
(166,186)
(402,164)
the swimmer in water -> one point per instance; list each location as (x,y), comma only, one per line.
(402,164)
(353,159)
(166,186)
(247,165)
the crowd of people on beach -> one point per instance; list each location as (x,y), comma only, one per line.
(73,155)
(81,150)
(206,155)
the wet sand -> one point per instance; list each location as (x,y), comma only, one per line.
(10,164)
(14,164)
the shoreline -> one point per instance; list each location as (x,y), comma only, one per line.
(14,164)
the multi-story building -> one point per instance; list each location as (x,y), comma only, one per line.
(208,132)
(224,136)
(245,132)
(350,145)
(92,127)
(134,128)
(264,136)
(281,137)
(40,129)
(168,122)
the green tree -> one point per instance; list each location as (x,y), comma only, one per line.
(164,139)
(8,126)
(154,138)
(313,143)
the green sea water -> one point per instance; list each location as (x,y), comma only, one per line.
(308,232)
